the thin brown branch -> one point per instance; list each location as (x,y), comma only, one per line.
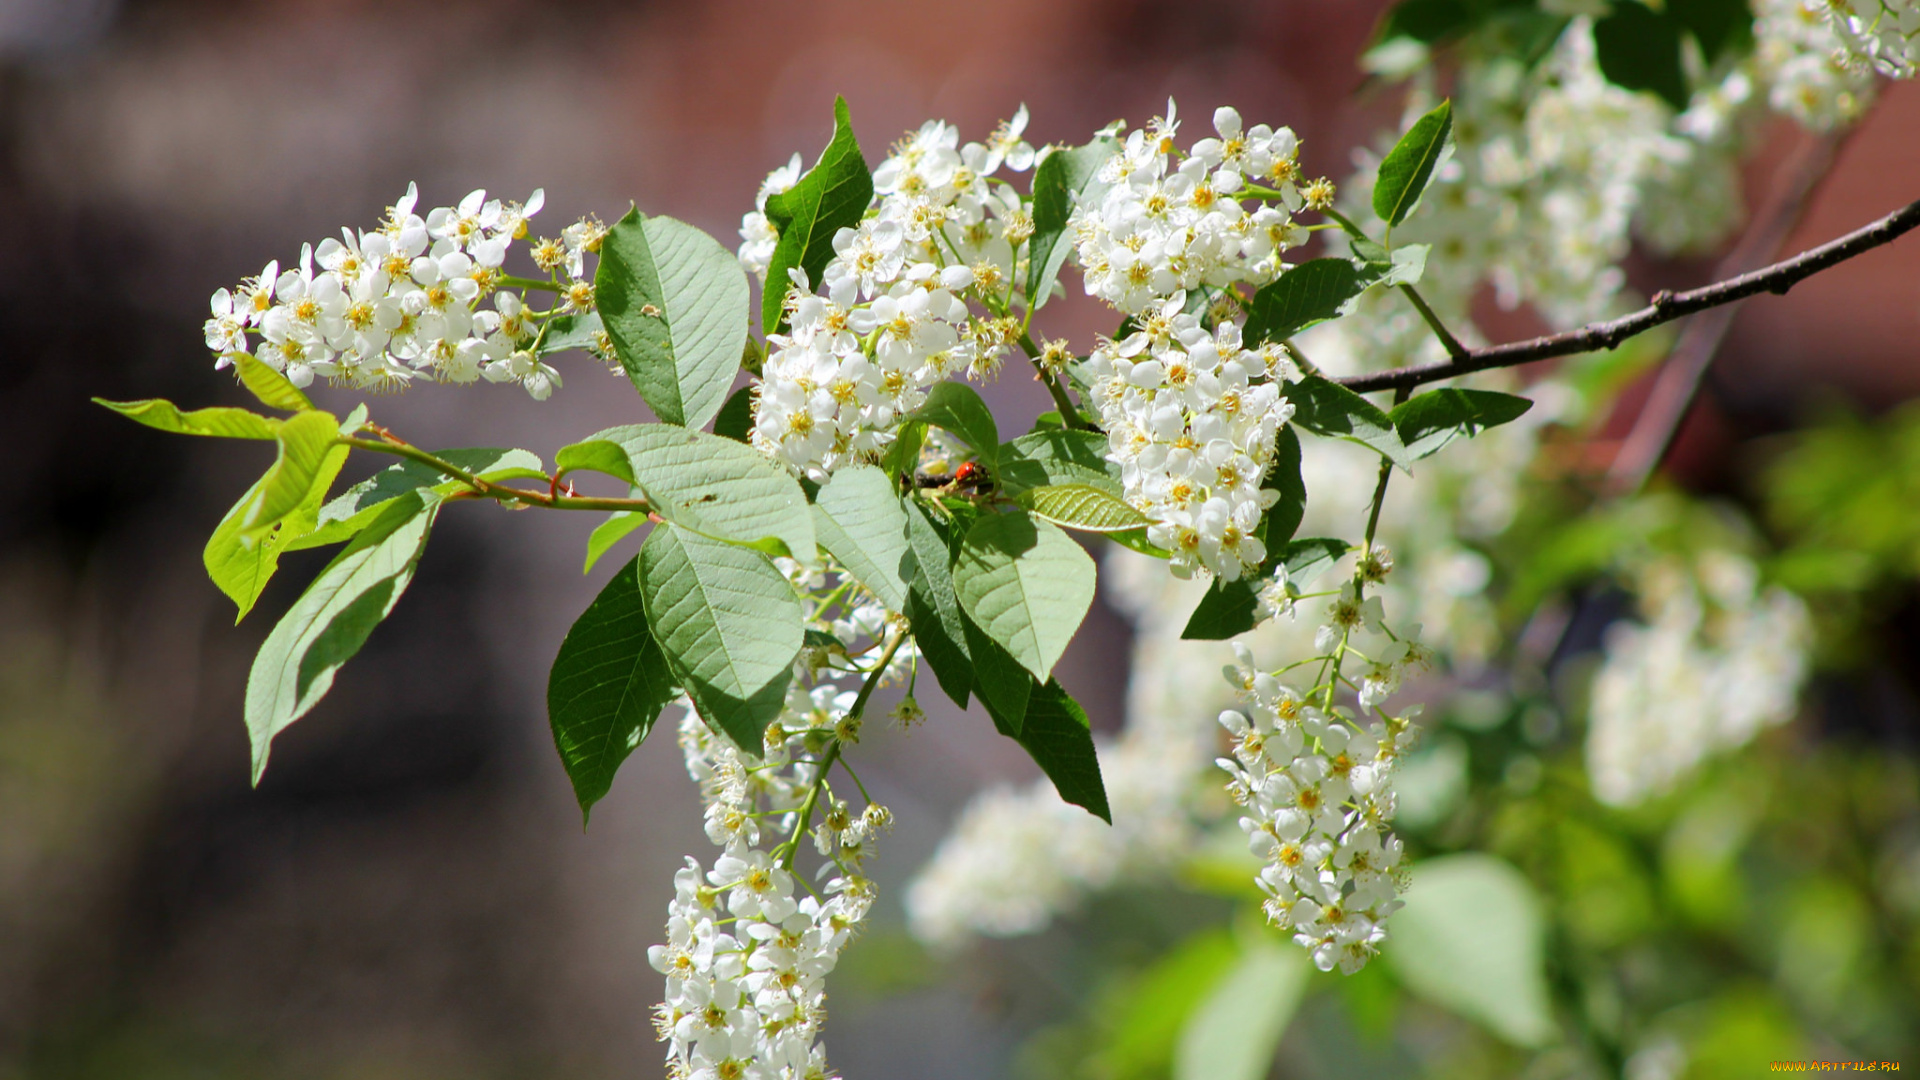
(1680,378)
(1776,279)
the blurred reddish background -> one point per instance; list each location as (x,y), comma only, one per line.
(408,893)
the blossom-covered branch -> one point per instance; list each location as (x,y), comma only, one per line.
(1666,307)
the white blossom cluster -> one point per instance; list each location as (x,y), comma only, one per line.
(749,941)
(892,316)
(1190,414)
(377,308)
(1883,33)
(1163,225)
(1806,65)
(1191,417)
(1318,794)
(1718,659)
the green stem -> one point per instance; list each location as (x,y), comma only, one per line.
(1069,414)
(489,489)
(510,281)
(792,844)
(1454,349)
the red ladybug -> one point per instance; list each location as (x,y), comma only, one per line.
(969,474)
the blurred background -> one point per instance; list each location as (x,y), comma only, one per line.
(409,893)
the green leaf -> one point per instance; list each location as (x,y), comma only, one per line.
(859,519)
(1408,167)
(1471,938)
(241,567)
(713,486)
(833,195)
(616,528)
(1405,266)
(729,624)
(219,421)
(735,419)
(1234,1032)
(1433,419)
(1001,684)
(1639,49)
(1229,609)
(1026,584)
(1278,524)
(1055,733)
(573,331)
(1303,558)
(1136,539)
(1329,409)
(1065,177)
(903,456)
(607,687)
(304,440)
(1082,506)
(933,611)
(271,387)
(1716,24)
(1043,458)
(675,304)
(1310,293)
(956,408)
(331,620)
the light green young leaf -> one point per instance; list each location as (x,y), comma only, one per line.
(933,611)
(607,687)
(220,421)
(241,567)
(711,485)
(303,440)
(1408,167)
(1471,938)
(1408,264)
(271,387)
(618,526)
(1026,584)
(1065,177)
(1235,1031)
(833,195)
(331,620)
(858,517)
(956,408)
(1433,419)
(675,304)
(1304,296)
(729,625)
(1081,506)
(1329,409)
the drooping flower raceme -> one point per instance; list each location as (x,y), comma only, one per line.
(1317,786)
(1191,418)
(1190,414)
(749,944)
(890,315)
(414,296)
